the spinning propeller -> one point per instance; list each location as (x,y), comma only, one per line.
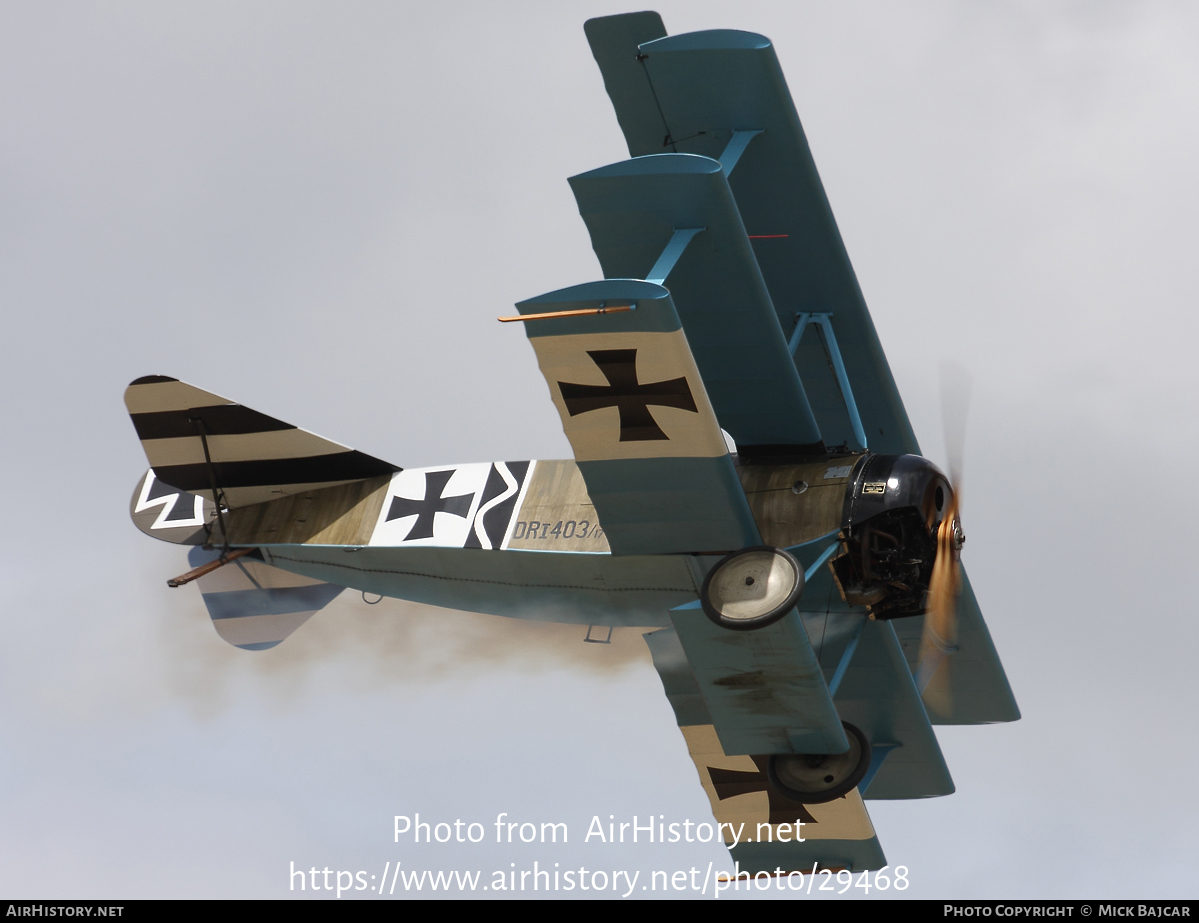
(939,641)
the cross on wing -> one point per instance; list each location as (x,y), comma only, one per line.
(731,782)
(631,399)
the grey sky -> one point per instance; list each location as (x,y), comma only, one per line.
(319,209)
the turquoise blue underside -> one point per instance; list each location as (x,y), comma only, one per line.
(236,604)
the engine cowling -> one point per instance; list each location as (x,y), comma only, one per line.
(893,507)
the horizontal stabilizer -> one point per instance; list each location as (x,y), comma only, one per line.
(672,219)
(635,410)
(201,443)
(255,606)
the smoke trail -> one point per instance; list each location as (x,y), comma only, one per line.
(392,643)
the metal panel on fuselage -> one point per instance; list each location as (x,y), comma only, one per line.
(794,504)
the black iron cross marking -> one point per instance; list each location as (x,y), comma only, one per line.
(631,399)
(731,782)
(433,503)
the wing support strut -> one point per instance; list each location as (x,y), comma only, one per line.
(878,753)
(218,495)
(825,322)
(852,646)
(736,147)
(678,243)
(820,561)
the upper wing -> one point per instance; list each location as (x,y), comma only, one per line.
(614,40)
(721,94)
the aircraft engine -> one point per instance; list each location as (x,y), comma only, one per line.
(893,507)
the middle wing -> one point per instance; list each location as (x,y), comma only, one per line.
(638,418)
(671,219)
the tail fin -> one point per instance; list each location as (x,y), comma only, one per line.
(207,445)
(255,606)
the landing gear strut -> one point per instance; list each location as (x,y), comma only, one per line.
(752,588)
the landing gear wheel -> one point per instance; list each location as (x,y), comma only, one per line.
(752,588)
(815,778)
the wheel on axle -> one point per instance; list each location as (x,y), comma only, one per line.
(752,588)
(815,778)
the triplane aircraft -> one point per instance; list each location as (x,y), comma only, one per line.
(745,486)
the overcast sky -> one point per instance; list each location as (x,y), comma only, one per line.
(319,209)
